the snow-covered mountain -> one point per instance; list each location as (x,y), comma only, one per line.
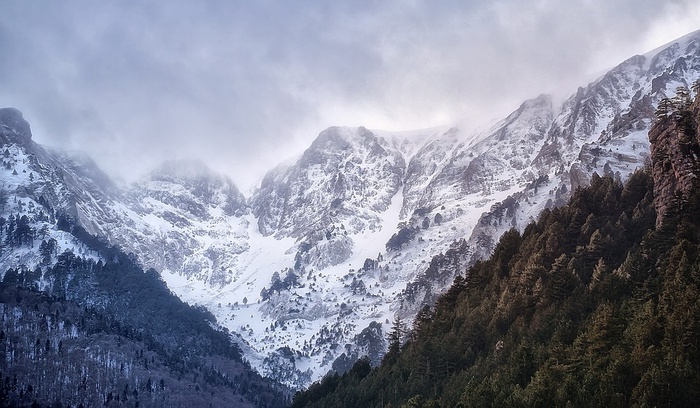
(39,188)
(310,269)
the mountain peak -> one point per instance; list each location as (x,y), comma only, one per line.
(12,119)
(337,137)
(183,170)
(192,186)
(540,100)
(532,108)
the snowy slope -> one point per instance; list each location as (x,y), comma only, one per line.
(477,184)
(36,193)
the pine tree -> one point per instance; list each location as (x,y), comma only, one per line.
(696,87)
(664,109)
(396,335)
(600,271)
(421,322)
(682,101)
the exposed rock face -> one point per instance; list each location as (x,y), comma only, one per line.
(675,154)
(17,128)
(337,187)
(200,188)
(454,166)
(193,216)
(65,184)
(339,172)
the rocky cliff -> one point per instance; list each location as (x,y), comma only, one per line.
(675,154)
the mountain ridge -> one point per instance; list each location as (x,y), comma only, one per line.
(595,304)
(315,232)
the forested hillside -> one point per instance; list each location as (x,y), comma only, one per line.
(593,305)
(108,333)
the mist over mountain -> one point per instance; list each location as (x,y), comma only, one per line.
(307,273)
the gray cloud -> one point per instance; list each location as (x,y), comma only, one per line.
(243,84)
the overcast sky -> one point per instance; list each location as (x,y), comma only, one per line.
(246,84)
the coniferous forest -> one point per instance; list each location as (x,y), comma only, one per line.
(106,333)
(595,304)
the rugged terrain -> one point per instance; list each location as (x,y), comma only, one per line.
(310,269)
(81,323)
(594,305)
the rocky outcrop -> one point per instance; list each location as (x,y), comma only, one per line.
(14,128)
(675,154)
(199,188)
(345,177)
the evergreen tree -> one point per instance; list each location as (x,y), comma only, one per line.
(665,109)
(396,335)
(696,87)
(682,101)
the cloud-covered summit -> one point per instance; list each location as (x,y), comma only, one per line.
(240,84)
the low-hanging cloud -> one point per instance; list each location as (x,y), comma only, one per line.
(243,84)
